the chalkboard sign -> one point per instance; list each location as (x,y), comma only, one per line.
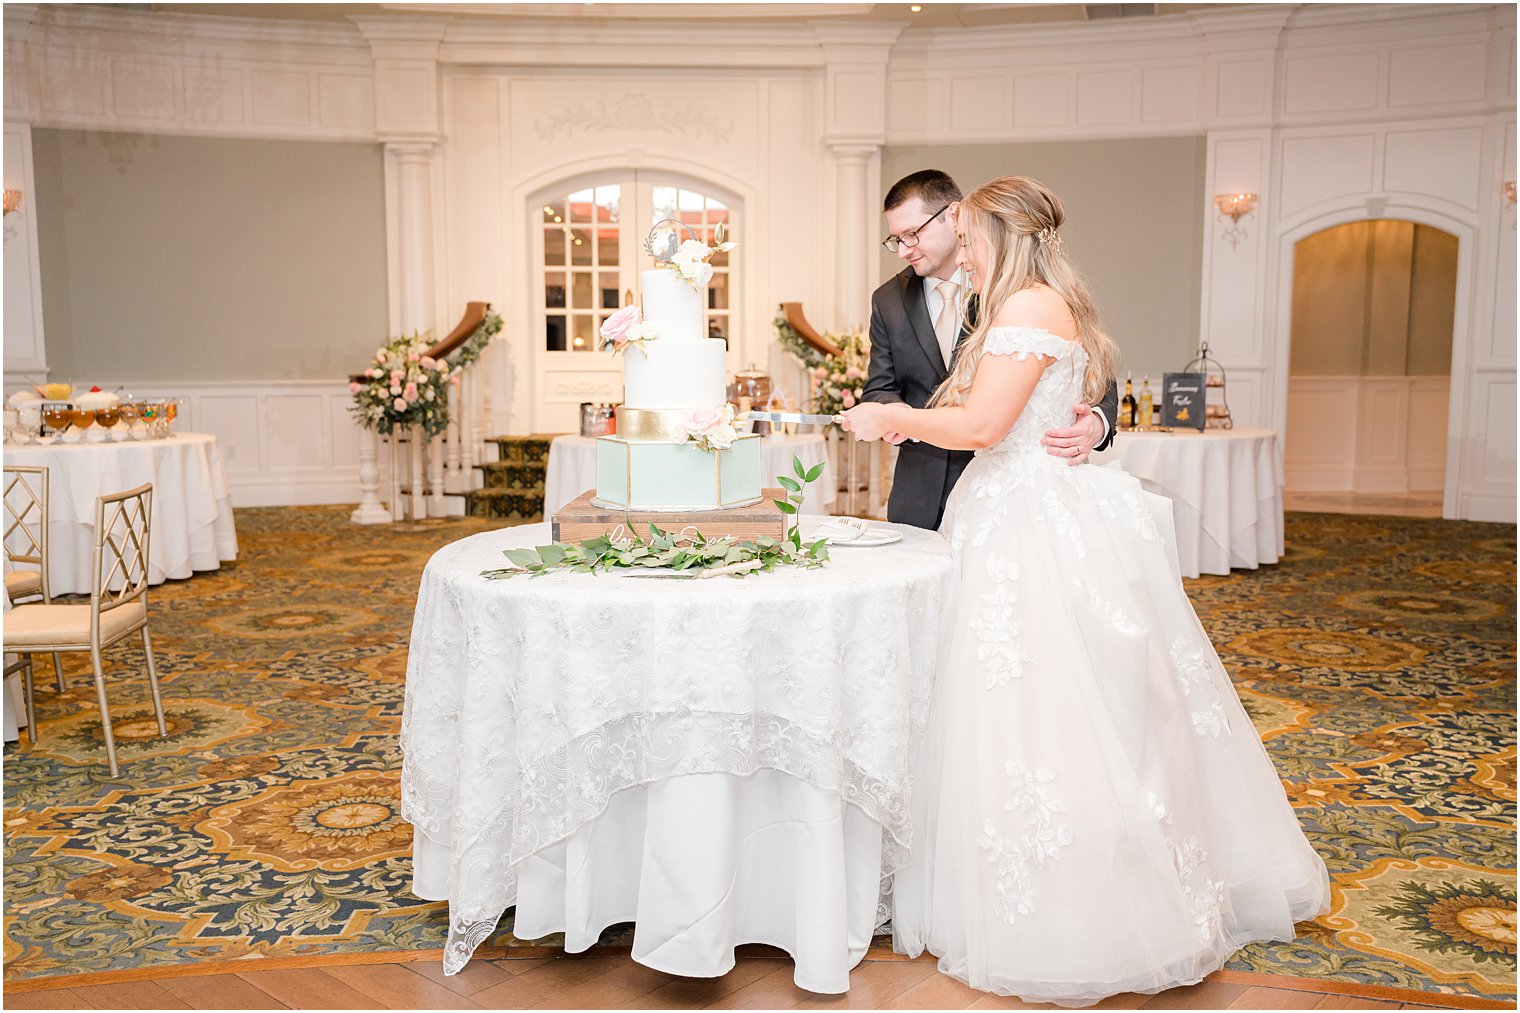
(1182,400)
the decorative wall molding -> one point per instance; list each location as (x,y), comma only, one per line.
(633,111)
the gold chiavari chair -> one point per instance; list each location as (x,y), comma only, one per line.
(118,606)
(26,507)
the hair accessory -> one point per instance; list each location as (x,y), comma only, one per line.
(1051,238)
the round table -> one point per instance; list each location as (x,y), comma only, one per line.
(1226,488)
(717,760)
(572,469)
(192,507)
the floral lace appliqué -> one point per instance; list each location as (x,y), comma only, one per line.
(1197,681)
(1037,839)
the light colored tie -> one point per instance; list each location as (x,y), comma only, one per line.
(948,323)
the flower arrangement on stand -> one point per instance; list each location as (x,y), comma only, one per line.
(404,388)
(835,381)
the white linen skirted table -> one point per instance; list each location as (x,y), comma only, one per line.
(572,469)
(192,505)
(1226,488)
(718,761)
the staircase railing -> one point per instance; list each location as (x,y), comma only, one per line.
(430,469)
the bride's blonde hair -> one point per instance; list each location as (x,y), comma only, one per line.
(1017,220)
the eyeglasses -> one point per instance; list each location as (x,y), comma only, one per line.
(910,238)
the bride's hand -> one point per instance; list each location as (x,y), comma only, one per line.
(867,420)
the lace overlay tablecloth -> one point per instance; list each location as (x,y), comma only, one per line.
(531,701)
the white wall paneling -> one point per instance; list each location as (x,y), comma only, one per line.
(1366,434)
(283,443)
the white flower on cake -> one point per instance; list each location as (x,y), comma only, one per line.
(711,429)
(690,262)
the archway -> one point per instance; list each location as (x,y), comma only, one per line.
(1372,325)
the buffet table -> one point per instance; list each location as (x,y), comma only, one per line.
(192,509)
(718,761)
(572,469)
(1226,488)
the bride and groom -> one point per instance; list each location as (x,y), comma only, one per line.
(1092,811)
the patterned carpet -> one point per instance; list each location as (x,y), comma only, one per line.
(1378,662)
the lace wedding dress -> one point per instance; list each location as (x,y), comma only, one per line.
(1092,812)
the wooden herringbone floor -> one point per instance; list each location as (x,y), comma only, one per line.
(762,981)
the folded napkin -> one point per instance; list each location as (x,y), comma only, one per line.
(841,529)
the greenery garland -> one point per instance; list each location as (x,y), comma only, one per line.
(467,353)
(679,552)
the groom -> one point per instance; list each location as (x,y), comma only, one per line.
(914,336)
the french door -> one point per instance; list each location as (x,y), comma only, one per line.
(589,249)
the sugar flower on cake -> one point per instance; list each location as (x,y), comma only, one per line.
(627,327)
(711,429)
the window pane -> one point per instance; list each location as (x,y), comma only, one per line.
(554,289)
(664,203)
(580,203)
(716,205)
(583,330)
(717,327)
(554,332)
(717,292)
(554,247)
(580,290)
(580,246)
(607,284)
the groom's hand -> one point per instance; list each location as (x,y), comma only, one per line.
(1076,441)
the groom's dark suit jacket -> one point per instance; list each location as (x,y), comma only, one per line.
(906,366)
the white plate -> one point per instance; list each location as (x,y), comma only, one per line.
(869,539)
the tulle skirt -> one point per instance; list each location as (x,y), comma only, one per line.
(1093,812)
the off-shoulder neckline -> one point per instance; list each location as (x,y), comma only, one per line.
(1031,327)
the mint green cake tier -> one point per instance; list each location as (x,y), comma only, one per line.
(640,475)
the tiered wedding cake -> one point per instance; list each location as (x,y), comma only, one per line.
(675,447)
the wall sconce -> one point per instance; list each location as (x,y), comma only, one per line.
(1509,191)
(12,201)
(1235,206)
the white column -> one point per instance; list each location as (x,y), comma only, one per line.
(414,218)
(853,195)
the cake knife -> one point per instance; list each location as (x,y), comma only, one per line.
(793,417)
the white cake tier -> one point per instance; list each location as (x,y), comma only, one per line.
(672,307)
(675,374)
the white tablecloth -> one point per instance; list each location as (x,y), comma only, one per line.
(1226,488)
(572,469)
(719,760)
(192,508)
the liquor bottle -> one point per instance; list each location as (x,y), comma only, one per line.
(1127,406)
(1147,402)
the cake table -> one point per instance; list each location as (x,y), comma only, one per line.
(718,761)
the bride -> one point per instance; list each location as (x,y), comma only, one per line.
(1092,811)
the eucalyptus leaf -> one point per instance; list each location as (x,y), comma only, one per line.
(798,468)
(523,557)
(788,483)
(814,472)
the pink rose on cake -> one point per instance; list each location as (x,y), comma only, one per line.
(626,327)
(711,429)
